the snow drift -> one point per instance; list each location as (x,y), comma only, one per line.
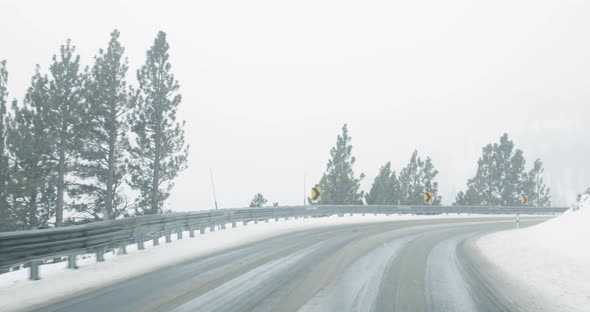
(550,261)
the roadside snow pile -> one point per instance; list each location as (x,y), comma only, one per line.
(550,262)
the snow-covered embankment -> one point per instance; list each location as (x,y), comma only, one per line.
(549,261)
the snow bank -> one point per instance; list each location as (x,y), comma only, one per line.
(18,293)
(550,261)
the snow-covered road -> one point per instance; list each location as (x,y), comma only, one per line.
(351,263)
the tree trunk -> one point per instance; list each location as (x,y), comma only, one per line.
(3,177)
(3,168)
(61,169)
(33,222)
(156,177)
(108,213)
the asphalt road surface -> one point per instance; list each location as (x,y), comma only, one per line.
(427,265)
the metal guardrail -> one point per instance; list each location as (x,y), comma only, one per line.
(33,247)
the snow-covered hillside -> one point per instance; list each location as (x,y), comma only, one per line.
(549,261)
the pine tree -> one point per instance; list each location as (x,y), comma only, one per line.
(417,178)
(65,90)
(158,151)
(5,216)
(535,187)
(429,173)
(385,188)
(107,102)
(339,185)
(460,200)
(511,171)
(33,181)
(501,178)
(258,201)
(483,188)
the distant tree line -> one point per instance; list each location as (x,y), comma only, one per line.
(501,179)
(81,137)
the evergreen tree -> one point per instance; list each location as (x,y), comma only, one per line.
(33,180)
(107,102)
(511,171)
(5,216)
(483,188)
(501,178)
(258,201)
(158,151)
(339,185)
(417,178)
(429,173)
(535,187)
(460,200)
(385,188)
(65,90)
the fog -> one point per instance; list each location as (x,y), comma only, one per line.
(268,84)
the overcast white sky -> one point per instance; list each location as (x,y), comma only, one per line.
(267,84)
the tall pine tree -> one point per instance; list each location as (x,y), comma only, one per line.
(65,90)
(5,216)
(33,180)
(385,189)
(158,150)
(107,102)
(339,185)
(417,178)
(501,178)
(535,187)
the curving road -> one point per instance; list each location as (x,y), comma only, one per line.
(425,265)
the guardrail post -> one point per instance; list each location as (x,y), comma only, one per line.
(245,223)
(223,226)
(156,241)
(351,214)
(179,234)
(212,228)
(233,224)
(140,244)
(277,219)
(265,220)
(72,262)
(100,254)
(202,230)
(191,231)
(123,248)
(168,237)
(256,221)
(34,270)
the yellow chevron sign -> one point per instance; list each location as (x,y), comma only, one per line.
(524,199)
(316,193)
(428,198)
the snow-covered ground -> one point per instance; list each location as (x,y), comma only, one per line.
(549,261)
(57,282)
